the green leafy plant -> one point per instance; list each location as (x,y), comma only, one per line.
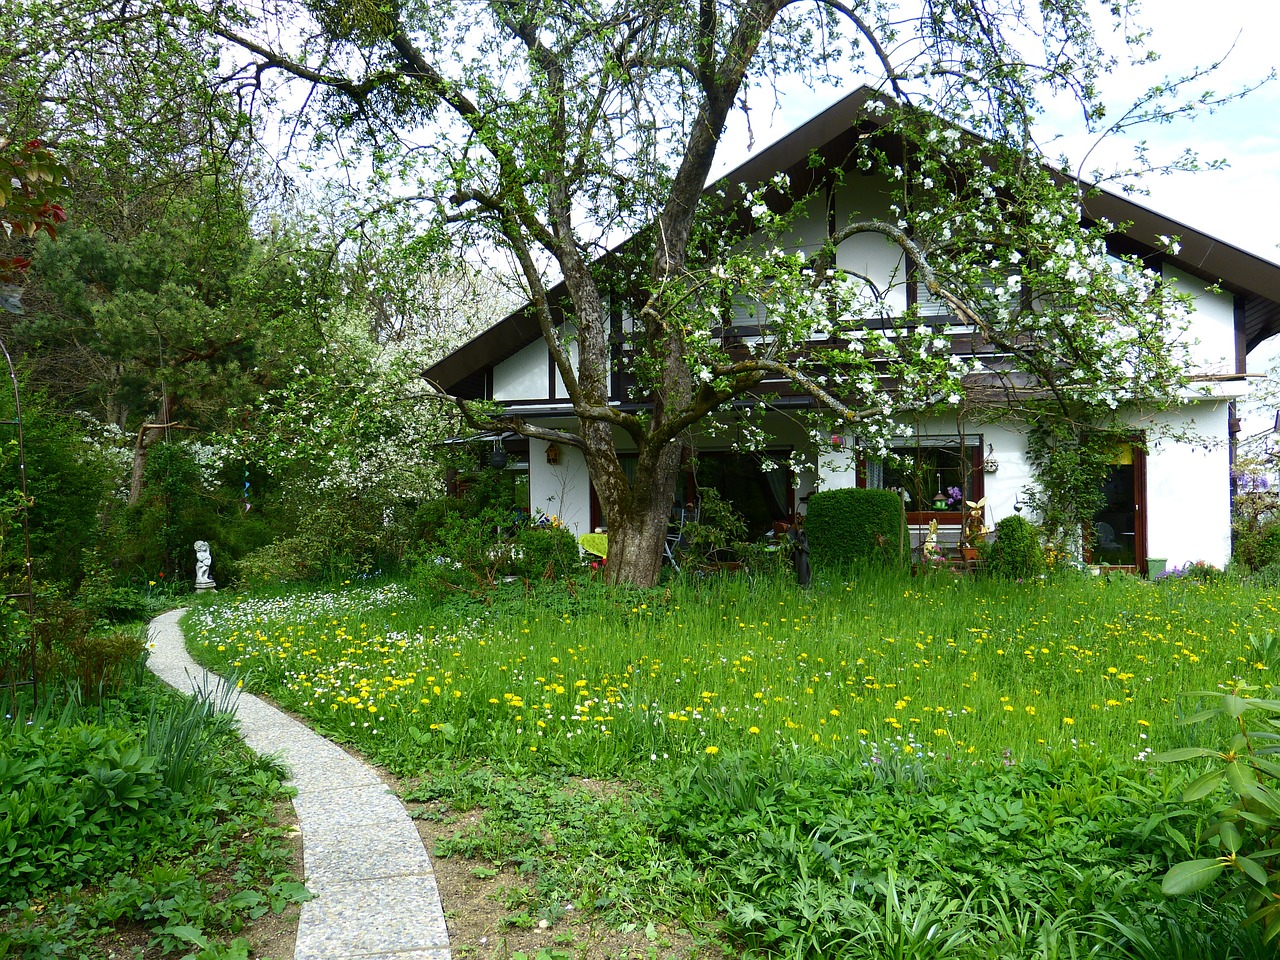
(1016,552)
(1070,462)
(545,552)
(180,736)
(1243,829)
(717,535)
(851,525)
(99,826)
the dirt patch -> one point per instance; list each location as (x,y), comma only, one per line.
(485,907)
(275,935)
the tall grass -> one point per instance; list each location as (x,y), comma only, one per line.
(879,665)
(179,733)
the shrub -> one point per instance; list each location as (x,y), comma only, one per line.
(717,535)
(546,553)
(141,814)
(102,598)
(1015,554)
(851,525)
(65,482)
(1257,548)
(1255,524)
(1267,577)
(103,660)
(480,543)
(290,560)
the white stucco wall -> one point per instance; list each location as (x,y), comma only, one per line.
(1188,486)
(808,233)
(1212,334)
(562,392)
(522,376)
(1007,487)
(563,489)
(871,254)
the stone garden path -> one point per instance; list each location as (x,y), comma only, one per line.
(375,892)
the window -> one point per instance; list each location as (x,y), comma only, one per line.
(758,486)
(935,475)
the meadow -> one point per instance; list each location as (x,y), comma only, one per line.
(879,766)
(608,684)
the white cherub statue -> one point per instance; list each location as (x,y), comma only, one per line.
(204,561)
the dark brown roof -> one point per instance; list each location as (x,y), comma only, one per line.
(1253,279)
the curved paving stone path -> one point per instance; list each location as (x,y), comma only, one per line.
(375,892)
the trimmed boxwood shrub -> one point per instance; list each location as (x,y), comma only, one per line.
(1016,553)
(854,525)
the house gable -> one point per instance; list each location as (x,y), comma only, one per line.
(504,363)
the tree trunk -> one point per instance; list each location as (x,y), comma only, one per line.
(147,433)
(638,513)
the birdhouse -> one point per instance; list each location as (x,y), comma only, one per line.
(553,454)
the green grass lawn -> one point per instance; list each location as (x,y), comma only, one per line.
(607,684)
(878,767)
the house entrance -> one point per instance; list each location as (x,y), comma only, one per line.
(1119,528)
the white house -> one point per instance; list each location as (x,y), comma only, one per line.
(1171,500)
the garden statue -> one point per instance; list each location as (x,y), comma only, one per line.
(975,528)
(800,554)
(929,549)
(204,560)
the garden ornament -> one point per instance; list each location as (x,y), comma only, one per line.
(204,560)
(975,527)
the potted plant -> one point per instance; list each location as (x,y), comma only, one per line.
(712,541)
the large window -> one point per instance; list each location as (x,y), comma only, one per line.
(758,486)
(935,476)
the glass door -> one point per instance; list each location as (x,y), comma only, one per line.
(1119,529)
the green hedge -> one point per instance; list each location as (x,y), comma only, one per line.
(853,525)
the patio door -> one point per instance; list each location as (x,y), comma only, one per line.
(758,486)
(1119,534)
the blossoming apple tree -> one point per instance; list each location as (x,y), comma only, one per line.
(545,134)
